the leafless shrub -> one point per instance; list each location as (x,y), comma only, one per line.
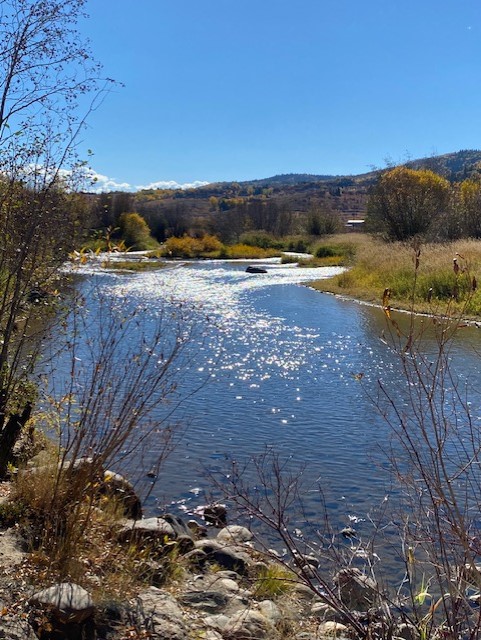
(435,457)
(118,390)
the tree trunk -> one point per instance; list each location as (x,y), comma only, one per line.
(10,434)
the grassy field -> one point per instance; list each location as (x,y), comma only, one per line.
(444,275)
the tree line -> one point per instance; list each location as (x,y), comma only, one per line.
(404,203)
(176,219)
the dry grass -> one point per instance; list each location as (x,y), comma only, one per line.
(245,251)
(72,536)
(378,265)
(58,505)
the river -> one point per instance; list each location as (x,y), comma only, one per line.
(274,365)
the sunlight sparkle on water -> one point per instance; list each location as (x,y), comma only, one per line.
(220,295)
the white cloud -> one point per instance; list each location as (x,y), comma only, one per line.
(98,183)
(172,184)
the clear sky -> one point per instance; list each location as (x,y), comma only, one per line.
(241,89)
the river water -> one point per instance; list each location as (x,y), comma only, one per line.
(274,365)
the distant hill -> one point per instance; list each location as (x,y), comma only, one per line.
(345,195)
(453,166)
(291,178)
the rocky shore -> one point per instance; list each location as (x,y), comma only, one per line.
(196,580)
(218,594)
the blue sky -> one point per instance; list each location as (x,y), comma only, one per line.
(235,90)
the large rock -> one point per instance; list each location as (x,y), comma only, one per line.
(162,615)
(332,629)
(251,269)
(215,514)
(325,612)
(16,630)
(217,621)
(147,530)
(69,602)
(406,631)
(234,534)
(82,469)
(357,591)
(209,601)
(270,610)
(249,624)
(225,556)
(120,489)
(183,533)
(209,634)
(160,531)
(219,581)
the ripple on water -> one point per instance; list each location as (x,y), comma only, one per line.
(222,295)
(279,361)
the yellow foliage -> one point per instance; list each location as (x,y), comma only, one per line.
(188,247)
(249,253)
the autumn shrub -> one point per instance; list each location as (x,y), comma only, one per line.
(325,251)
(244,251)
(300,244)
(189,247)
(135,232)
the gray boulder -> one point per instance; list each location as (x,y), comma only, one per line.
(69,602)
(234,534)
(162,615)
(357,591)
(147,530)
(227,557)
(333,629)
(270,610)
(16,630)
(120,489)
(406,631)
(249,624)
(209,601)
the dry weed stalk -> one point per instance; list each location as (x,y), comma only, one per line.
(121,392)
(435,456)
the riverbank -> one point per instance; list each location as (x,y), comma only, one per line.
(285,364)
(182,580)
(433,279)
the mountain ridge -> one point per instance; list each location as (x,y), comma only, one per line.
(454,166)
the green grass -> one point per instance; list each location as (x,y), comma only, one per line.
(134,265)
(379,265)
(274,580)
(331,261)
